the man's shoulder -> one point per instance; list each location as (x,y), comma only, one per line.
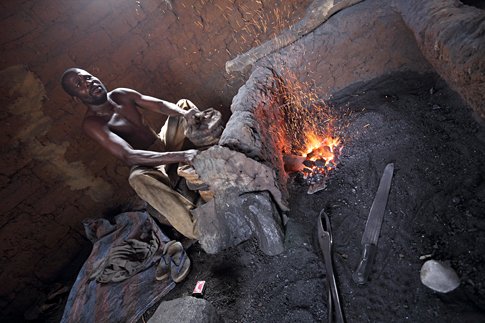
(123,93)
(122,90)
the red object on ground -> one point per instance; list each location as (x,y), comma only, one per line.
(199,289)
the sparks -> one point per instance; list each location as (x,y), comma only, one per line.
(303,125)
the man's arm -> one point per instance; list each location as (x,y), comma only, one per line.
(153,104)
(98,131)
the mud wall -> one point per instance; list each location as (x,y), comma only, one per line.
(451,36)
(52,176)
(360,43)
(373,38)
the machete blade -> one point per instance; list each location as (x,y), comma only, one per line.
(373,227)
(376,213)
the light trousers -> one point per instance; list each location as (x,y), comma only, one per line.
(157,185)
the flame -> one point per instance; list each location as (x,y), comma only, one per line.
(322,152)
(318,148)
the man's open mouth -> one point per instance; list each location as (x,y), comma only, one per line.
(95,89)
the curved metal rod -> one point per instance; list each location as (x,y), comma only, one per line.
(325,242)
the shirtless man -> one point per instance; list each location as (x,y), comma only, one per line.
(114,120)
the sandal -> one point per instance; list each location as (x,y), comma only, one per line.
(163,268)
(179,261)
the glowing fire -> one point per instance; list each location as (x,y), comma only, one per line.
(321,156)
(320,149)
(296,124)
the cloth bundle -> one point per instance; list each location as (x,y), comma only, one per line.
(127,259)
(117,283)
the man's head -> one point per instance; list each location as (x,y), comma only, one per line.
(84,86)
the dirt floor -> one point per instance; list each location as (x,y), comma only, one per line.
(435,211)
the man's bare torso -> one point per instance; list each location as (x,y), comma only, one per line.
(126,121)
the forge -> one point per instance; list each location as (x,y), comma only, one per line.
(277,126)
(404,118)
(317,97)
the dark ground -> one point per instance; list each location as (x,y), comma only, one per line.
(435,209)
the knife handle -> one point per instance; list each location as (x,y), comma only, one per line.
(363,270)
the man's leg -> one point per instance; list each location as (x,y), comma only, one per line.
(154,187)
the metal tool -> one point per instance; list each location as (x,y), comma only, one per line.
(373,227)
(324,233)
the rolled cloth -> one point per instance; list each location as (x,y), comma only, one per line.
(126,300)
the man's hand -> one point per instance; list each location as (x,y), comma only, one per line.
(190,155)
(193,116)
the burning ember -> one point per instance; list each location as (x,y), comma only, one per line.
(321,158)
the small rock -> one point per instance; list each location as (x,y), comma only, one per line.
(439,276)
(423,257)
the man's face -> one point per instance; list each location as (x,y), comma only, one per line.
(86,87)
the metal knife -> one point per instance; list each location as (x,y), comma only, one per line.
(373,227)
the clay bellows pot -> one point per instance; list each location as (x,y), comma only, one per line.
(206,128)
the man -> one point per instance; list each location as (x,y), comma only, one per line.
(114,120)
